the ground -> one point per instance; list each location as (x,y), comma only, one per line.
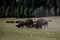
(10,32)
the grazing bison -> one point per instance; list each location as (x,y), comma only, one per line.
(21,24)
(28,22)
(41,22)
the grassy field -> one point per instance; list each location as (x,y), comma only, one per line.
(10,32)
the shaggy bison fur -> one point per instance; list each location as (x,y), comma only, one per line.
(28,22)
(41,22)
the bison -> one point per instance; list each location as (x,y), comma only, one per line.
(28,22)
(20,24)
(41,22)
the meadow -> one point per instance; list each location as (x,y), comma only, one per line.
(9,31)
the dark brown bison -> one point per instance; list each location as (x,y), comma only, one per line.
(20,24)
(28,22)
(41,22)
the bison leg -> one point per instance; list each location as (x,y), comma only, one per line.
(37,27)
(32,26)
(40,26)
(22,26)
(28,26)
(46,25)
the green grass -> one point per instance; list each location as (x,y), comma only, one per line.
(28,34)
(10,32)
